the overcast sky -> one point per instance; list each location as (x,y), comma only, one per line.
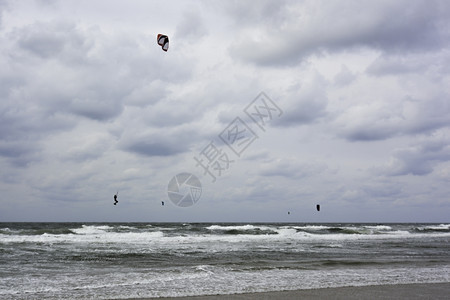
(355,113)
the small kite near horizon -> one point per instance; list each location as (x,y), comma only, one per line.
(318,207)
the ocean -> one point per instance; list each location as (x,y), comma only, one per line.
(138,260)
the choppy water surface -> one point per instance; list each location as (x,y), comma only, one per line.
(125,260)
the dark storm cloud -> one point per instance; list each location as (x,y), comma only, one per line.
(15,149)
(431,114)
(87,155)
(372,190)
(381,120)
(344,77)
(154,147)
(55,72)
(304,104)
(55,40)
(419,159)
(370,134)
(67,186)
(248,12)
(59,69)
(291,169)
(10,80)
(42,44)
(332,26)
(23,126)
(380,126)
(19,153)
(87,148)
(159,142)
(303,111)
(432,63)
(17,123)
(148,94)
(96,109)
(51,74)
(191,27)
(171,114)
(396,65)
(89,73)
(3,6)
(386,190)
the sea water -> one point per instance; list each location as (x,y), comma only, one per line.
(137,260)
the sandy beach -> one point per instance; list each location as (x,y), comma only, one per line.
(433,291)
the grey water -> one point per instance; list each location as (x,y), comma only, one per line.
(139,260)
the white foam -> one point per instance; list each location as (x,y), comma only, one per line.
(238,227)
(88,234)
(379,227)
(151,238)
(312,227)
(287,232)
(438,227)
(91,229)
(209,279)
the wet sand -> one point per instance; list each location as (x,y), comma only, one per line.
(403,291)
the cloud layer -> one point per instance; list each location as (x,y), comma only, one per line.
(91,105)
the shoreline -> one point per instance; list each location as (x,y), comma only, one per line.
(395,291)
